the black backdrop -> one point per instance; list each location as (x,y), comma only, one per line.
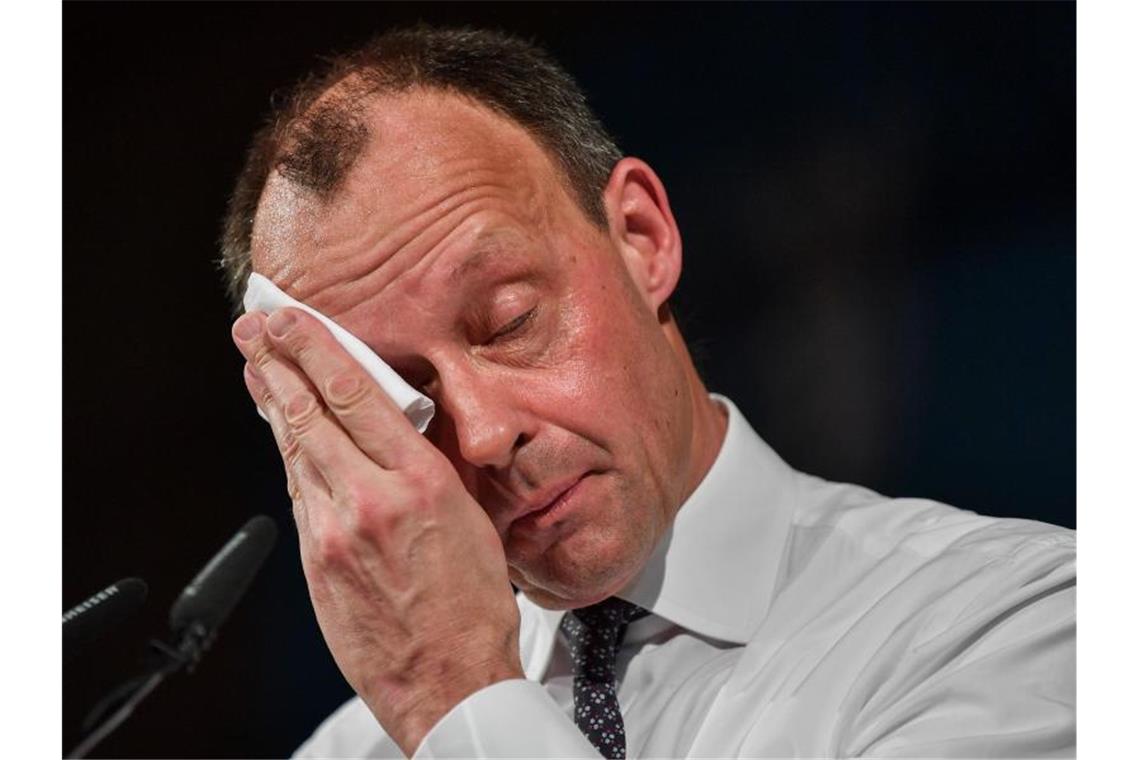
(878,210)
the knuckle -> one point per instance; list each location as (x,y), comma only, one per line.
(290,450)
(332,548)
(299,344)
(262,356)
(373,516)
(344,390)
(426,488)
(301,411)
(365,505)
(293,490)
(261,396)
(417,479)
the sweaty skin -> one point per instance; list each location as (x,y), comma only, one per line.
(455,251)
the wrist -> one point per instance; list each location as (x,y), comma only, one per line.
(409,711)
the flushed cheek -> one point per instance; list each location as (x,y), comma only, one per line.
(622,396)
(593,367)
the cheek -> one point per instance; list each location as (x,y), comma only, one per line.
(632,382)
(634,369)
(583,372)
(609,335)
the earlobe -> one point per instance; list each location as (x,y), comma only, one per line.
(643,229)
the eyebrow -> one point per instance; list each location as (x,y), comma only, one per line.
(487,246)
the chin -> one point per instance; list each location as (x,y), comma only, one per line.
(581,571)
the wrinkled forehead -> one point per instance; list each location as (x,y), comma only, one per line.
(430,159)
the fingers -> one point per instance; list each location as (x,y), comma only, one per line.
(377,426)
(315,449)
(306,486)
(302,481)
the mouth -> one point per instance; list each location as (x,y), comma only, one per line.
(547,511)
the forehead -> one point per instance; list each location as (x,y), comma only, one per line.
(439,172)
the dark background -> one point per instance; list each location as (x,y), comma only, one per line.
(878,209)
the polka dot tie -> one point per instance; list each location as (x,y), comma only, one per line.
(594,634)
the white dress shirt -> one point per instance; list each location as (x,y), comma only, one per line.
(793,617)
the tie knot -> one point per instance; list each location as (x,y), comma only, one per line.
(609,614)
(594,633)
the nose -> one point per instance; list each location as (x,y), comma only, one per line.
(487,423)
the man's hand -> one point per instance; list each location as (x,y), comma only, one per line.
(406,572)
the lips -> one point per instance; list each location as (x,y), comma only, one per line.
(539,510)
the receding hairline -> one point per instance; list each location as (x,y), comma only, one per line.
(361,103)
(513,77)
(286,212)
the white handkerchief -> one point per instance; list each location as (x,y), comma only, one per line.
(262,295)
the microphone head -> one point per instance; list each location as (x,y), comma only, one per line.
(87,621)
(214,592)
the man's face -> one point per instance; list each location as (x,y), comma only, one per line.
(456,253)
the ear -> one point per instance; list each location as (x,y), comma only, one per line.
(643,229)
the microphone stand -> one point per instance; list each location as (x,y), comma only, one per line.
(194,619)
(195,641)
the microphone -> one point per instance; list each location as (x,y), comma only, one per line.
(197,614)
(210,598)
(89,620)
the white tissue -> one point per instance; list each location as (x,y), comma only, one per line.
(262,295)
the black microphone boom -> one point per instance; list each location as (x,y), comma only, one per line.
(87,621)
(194,619)
(206,603)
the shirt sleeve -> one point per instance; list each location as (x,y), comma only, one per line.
(350,732)
(1005,682)
(513,718)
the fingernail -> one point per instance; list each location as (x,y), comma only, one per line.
(279,322)
(247,327)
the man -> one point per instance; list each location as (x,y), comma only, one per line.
(447,197)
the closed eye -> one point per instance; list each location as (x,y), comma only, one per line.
(513,325)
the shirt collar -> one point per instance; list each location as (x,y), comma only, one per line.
(715,570)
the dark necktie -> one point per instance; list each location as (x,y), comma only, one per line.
(594,634)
